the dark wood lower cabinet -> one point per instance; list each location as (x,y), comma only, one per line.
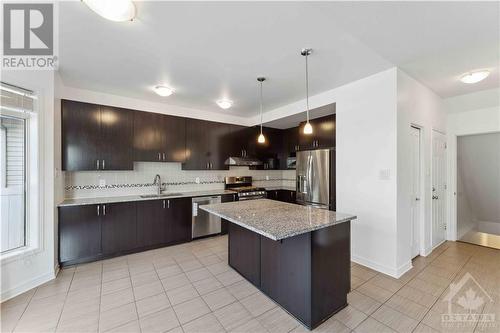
(119,227)
(281,195)
(225,223)
(308,274)
(79,233)
(94,232)
(180,218)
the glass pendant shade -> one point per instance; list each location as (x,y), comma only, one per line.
(308,129)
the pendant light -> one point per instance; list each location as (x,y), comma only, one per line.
(261,138)
(307,128)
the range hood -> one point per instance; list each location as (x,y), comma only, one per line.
(243,161)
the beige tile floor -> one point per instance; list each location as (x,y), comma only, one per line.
(190,288)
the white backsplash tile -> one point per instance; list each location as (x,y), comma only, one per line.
(85,184)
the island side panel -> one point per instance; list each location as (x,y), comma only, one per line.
(244,252)
(331,270)
(286,274)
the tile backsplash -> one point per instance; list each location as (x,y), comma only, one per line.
(86,184)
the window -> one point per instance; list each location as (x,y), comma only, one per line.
(15,109)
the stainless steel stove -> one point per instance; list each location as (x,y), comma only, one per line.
(243,187)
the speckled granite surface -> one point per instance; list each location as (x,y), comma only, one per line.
(127,198)
(276,220)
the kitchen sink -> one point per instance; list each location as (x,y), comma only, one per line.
(166,195)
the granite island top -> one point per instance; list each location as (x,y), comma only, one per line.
(274,219)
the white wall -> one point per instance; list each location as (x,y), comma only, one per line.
(421,107)
(31,269)
(466,122)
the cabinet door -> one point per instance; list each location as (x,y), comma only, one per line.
(218,145)
(173,135)
(286,196)
(224,223)
(117,129)
(147,139)
(119,227)
(179,217)
(196,145)
(79,232)
(151,223)
(324,131)
(272,194)
(80,135)
(237,140)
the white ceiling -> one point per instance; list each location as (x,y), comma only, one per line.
(207,51)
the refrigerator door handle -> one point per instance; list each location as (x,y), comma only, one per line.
(309,177)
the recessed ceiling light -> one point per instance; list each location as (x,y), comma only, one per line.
(113,10)
(474,77)
(224,103)
(163,90)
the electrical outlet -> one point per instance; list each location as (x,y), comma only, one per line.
(102,182)
(267,177)
(197,180)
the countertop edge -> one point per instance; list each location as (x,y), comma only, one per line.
(274,238)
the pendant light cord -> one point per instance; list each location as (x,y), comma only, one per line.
(307,87)
(260,107)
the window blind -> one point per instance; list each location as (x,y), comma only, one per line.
(15,99)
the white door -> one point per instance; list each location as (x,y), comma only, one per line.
(438,187)
(415,191)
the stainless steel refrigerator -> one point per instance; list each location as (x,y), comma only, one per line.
(316,178)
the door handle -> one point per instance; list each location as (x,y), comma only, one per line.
(417,199)
(163,204)
(164,156)
(104,210)
(159,156)
(103,164)
(435,197)
(97,166)
(168,204)
(98,210)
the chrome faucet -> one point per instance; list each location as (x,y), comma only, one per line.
(157,182)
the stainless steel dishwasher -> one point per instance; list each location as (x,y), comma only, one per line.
(204,223)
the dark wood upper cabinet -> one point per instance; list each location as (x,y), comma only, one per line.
(159,138)
(207,145)
(81,128)
(116,138)
(323,135)
(96,137)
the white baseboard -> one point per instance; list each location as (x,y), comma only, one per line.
(395,272)
(24,287)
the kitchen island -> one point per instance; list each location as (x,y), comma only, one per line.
(299,256)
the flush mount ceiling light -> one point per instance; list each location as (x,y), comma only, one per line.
(113,10)
(307,128)
(224,103)
(163,91)
(261,138)
(474,77)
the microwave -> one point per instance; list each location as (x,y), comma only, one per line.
(291,163)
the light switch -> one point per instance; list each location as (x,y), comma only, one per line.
(102,182)
(197,180)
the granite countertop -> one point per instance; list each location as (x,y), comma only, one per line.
(127,198)
(274,219)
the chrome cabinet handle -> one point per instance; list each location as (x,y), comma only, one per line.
(163,204)
(97,166)
(104,210)
(168,204)
(103,164)
(98,210)
(159,156)
(164,156)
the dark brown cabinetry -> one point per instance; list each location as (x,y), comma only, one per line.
(179,215)
(207,145)
(224,223)
(79,233)
(281,195)
(96,137)
(119,227)
(93,232)
(323,135)
(159,138)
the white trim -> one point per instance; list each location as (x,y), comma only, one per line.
(391,271)
(23,287)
